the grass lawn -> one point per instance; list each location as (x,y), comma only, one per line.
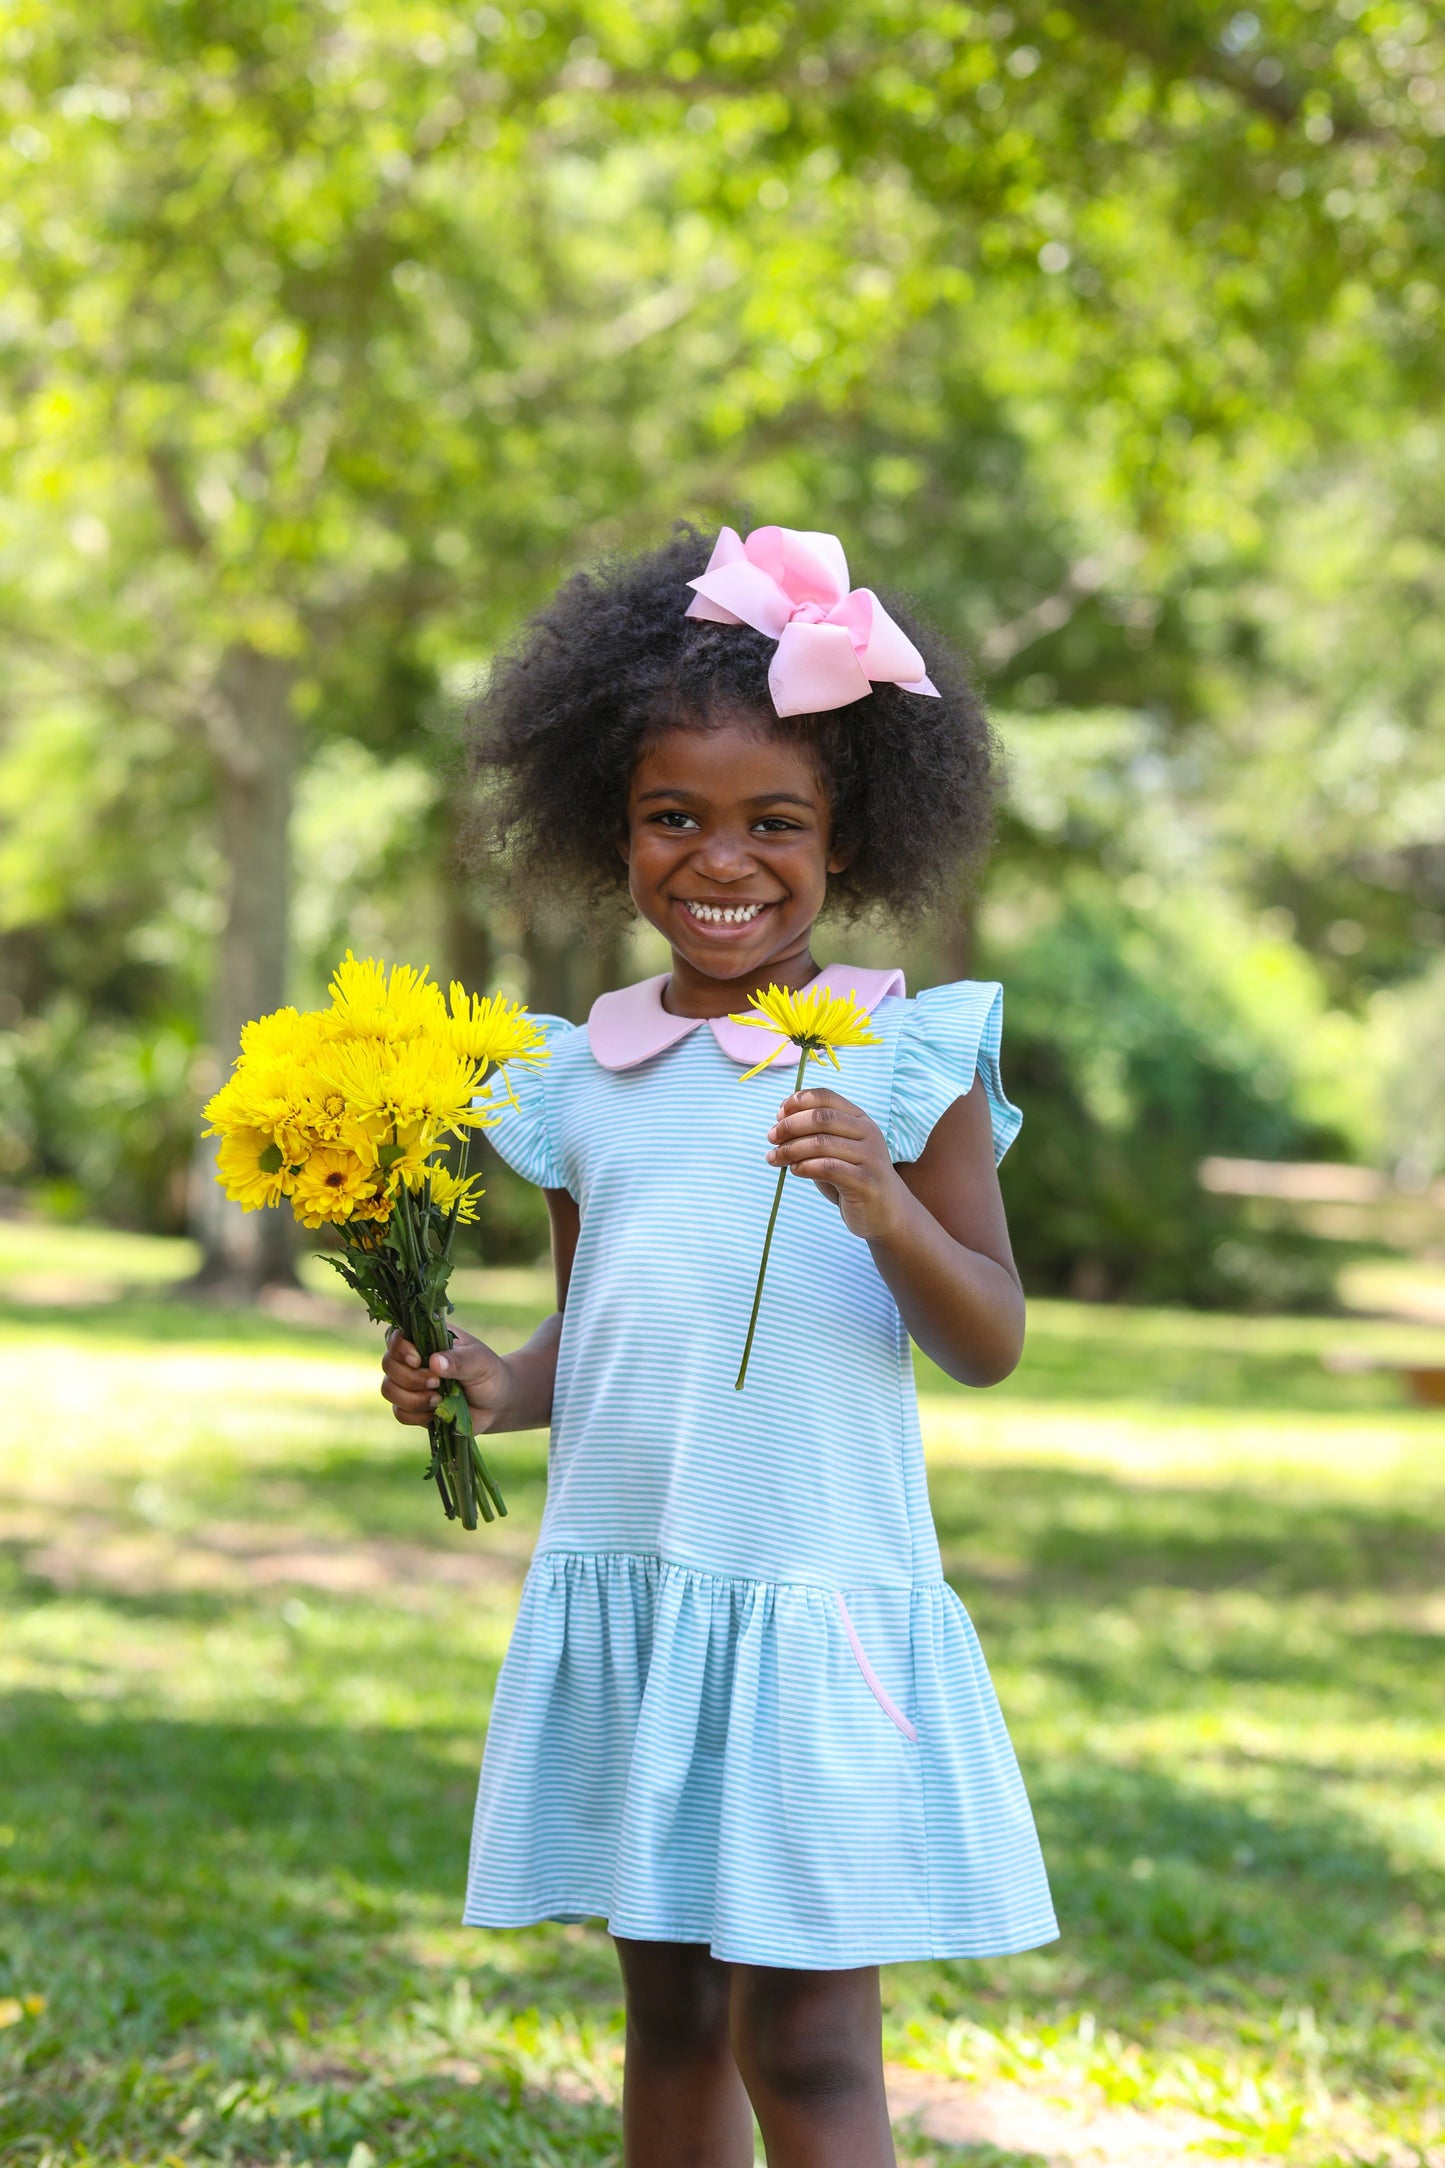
(246,1670)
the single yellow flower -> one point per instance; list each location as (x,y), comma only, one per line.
(394,1088)
(373,1208)
(448,1189)
(287,1034)
(330,1186)
(492,1030)
(250,1168)
(277,1086)
(815,1020)
(408,1160)
(368,1002)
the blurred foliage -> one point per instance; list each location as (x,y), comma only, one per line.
(100,1119)
(1136,1048)
(332,332)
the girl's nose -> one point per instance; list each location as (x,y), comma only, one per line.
(724,855)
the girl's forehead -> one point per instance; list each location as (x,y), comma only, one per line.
(728,759)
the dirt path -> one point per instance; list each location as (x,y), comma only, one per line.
(1052,2130)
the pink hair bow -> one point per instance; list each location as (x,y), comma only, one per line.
(834,642)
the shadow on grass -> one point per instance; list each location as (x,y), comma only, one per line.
(213,1868)
(1159,1880)
(160,1317)
(1064,1529)
(237,1867)
(240,2110)
(198,1901)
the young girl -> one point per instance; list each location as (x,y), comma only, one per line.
(743,1718)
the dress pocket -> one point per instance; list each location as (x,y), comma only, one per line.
(871,1679)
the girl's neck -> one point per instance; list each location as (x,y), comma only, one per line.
(690,992)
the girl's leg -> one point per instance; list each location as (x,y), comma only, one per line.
(683,2104)
(809,2046)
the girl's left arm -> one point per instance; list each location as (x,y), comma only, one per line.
(936,1226)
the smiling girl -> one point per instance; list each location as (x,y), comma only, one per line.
(743,1718)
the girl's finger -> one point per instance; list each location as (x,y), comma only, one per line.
(402,1396)
(840,1121)
(787,1154)
(470,1362)
(817,1095)
(411,1376)
(830,1171)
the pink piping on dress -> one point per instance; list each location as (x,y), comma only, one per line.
(875,1685)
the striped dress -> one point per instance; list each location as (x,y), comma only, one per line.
(741,1706)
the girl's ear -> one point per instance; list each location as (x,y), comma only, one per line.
(624,847)
(840,857)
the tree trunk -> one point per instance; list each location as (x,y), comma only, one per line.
(467,938)
(958,940)
(569,965)
(550,948)
(253,742)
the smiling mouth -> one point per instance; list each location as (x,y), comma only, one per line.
(716,914)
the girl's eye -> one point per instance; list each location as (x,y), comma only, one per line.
(774,824)
(674,820)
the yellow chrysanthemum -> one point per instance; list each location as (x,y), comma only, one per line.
(330,1186)
(286,1101)
(374,1205)
(492,1030)
(250,1169)
(396,1089)
(448,1189)
(267,1096)
(286,1034)
(368,1002)
(273,1086)
(815,1020)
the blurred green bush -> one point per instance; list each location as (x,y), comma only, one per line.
(99,1120)
(1137,1043)
(513,1227)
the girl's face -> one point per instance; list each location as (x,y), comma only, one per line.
(728,852)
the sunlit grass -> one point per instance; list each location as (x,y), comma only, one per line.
(246,1671)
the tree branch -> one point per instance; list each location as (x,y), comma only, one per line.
(1142,32)
(186,530)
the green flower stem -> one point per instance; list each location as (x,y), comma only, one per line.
(767,1245)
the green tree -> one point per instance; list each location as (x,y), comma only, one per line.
(333,332)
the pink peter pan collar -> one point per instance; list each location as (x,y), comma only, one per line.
(631,1025)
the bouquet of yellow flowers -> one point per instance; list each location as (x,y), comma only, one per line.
(347,1114)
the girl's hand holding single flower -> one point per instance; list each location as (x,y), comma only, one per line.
(935,1225)
(824,1137)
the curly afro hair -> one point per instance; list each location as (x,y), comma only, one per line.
(613,661)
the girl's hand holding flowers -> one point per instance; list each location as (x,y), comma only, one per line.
(826,1138)
(414,1387)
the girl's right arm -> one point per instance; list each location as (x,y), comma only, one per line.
(504,1392)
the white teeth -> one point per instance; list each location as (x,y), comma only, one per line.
(713,915)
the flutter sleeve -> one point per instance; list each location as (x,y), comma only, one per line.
(524,1134)
(949,1038)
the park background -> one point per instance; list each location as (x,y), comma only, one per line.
(332,334)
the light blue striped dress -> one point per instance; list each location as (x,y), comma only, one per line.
(741,1706)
